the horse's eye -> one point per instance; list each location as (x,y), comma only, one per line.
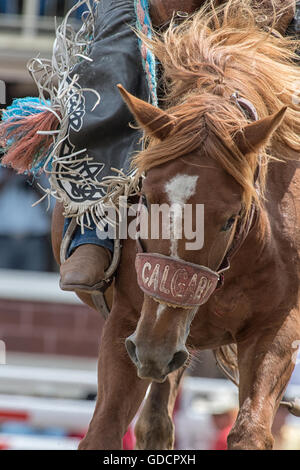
(228,224)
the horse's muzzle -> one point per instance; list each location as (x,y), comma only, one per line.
(153,365)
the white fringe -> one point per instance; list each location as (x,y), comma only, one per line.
(52,78)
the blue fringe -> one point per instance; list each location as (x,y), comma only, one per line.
(20,108)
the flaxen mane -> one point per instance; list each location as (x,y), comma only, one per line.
(206,60)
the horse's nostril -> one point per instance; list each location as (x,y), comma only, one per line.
(131,350)
(178,360)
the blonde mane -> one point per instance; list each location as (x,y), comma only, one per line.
(205,60)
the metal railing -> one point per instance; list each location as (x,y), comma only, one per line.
(34,287)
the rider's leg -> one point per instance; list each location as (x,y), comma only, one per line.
(88,258)
(105,132)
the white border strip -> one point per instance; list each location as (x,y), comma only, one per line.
(34,287)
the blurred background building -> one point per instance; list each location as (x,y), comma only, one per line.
(48,385)
(45,331)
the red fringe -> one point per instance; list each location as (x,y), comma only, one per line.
(29,144)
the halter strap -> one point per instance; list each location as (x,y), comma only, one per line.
(242,229)
(247,108)
(250,113)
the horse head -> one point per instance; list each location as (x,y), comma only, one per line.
(189,163)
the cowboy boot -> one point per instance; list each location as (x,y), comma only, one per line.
(85,269)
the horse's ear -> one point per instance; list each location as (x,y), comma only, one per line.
(257,134)
(155,121)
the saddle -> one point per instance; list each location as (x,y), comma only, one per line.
(162,10)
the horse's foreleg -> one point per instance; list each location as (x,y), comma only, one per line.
(120,391)
(155,428)
(265,367)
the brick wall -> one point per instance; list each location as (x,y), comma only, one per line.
(66,329)
(50,328)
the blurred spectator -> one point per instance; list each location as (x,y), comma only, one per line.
(195,431)
(223,420)
(278,428)
(285,431)
(24,230)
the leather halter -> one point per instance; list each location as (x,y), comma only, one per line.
(178,283)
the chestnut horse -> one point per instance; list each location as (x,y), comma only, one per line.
(228,139)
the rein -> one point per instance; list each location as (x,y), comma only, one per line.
(178,283)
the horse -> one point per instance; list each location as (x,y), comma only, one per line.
(227,139)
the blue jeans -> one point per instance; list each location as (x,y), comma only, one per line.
(88,237)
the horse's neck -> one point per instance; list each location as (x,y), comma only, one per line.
(282,177)
(281,206)
(273,240)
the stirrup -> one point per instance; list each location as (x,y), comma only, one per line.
(98,296)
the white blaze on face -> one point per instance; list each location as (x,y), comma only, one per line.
(179,190)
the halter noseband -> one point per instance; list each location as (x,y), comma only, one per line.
(178,283)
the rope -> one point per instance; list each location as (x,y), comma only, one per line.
(144,26)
